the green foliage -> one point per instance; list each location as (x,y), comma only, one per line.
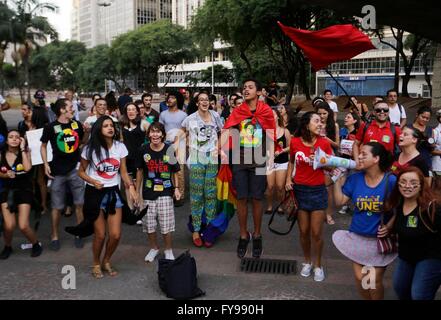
(144,50)
(221,75)
(58,61)
(97,66)
(251,27)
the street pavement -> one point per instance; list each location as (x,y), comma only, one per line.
(219,275)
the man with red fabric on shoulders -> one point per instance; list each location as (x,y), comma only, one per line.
(246,132)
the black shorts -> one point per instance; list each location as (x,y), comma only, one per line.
(247,183)
(19,196)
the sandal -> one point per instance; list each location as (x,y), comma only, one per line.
(269,211)
(280,212)
(107,267)
(97,273)
(330,220)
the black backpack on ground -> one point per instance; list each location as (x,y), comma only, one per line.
(178,278)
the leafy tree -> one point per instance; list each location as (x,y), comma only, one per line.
(247,24)
(143,51)
(221,75)
(96,67)
(415,43)
(30,30)
(62,59)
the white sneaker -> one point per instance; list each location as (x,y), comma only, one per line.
(306,270)
(169,254)
(319,274)
(139,222)
(150,257)
(344,210)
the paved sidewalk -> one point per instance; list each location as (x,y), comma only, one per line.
(22,277)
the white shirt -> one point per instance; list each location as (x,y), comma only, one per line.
(92,119)
(333,106)
(436,160)
(394,114)
(76,108)
(2,100)
(106,171)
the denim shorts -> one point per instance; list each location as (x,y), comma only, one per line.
(311,198)
(107,198)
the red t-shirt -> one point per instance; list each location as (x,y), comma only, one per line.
(376,134)
(304,173)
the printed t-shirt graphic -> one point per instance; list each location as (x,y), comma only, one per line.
(157,169)
(65,141)
(106,170)
(250,134)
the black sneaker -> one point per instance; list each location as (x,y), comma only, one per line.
(37,249)
(257,247)
(6,253)
(242,247)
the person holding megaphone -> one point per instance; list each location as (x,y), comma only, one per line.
(310,190)
(367,190)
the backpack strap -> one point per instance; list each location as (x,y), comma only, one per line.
(366,126)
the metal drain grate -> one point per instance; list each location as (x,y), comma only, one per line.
(286,267)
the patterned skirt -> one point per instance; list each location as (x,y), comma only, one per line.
(361,249)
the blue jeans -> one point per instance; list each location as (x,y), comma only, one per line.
(417,281)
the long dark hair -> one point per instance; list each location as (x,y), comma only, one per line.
(378,150)
(357,118)
(5,147)
(125,121)
(330,123)
(425,197)
(112,103)
(97,141)
(302,130)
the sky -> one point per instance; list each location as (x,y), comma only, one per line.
(61,20)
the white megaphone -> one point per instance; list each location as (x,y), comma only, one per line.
(321,159)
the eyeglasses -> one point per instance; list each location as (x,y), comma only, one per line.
(379,110)
(411,184)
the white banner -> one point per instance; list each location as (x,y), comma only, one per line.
(34,143)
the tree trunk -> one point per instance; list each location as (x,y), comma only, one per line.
(245,59)
(406,79)
(27,82)
(436,80)
(304,81)
(397,70)
(399,48)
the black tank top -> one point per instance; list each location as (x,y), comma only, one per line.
(133,139)
(22,180)
(282,158)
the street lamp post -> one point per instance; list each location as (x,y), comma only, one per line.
(212,71)
(104,5)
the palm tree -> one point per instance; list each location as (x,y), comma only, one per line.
(6,15)
(30,30)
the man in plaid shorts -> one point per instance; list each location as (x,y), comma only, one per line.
(157,167)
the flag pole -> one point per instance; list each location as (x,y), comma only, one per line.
(341,87)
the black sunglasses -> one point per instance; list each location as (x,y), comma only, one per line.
(378,110)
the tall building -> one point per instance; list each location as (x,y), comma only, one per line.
(183,10)
(97,22)
(182,14)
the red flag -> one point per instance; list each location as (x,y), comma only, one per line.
(329,45)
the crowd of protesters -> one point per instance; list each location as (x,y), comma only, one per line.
(128,154)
